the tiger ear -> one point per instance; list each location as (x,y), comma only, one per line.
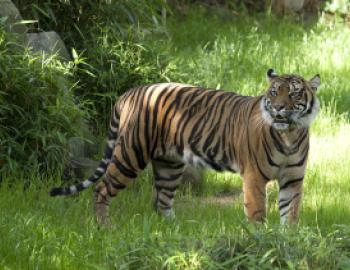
(315,82)
(271,74)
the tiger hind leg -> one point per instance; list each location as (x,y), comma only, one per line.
(120,172)
(167,177)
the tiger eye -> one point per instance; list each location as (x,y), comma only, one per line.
(273,92)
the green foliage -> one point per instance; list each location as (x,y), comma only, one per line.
(339,7)
(107,40)
(112,66)
(110,38)
(37,110)
(78,18)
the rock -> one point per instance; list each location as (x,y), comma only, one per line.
(192,175)
(12,17)
(80,164)
(294,5)
(48,43)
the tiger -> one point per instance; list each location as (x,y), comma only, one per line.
(169,125)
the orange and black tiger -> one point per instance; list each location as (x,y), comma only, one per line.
(171,124)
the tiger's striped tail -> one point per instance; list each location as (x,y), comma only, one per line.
(102,167)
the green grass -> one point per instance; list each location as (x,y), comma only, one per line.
(210,231)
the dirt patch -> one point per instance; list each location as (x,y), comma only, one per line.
(223,199)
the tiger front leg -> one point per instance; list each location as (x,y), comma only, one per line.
(254,189)
(167,176)
(289,199)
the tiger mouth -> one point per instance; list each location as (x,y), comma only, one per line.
(281,123)
(281,120)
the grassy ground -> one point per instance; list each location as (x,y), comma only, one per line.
(210,232)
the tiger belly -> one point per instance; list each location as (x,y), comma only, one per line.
(203,162)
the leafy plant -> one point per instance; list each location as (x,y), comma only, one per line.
(110,36)
(37,110)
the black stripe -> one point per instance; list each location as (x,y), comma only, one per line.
(80,187)
(146,119)
(169,163)
(117,185)
(309,111)
(111,176)
(286,212)
(260,170)
(136,144)
(174,104)
(163,202)
(209,139)
(123,169)
(277,142)
(300,162)
(125,155)
(171,177)
(290,182)
(103,165)
(139,156)
(187,116)
(269,159)
(302,138)
(108,188)
(164,207)
(214,165)
(98,193)
(115,117)
(112,135)
(156,108)
(286,201)
(266,145)
(170,196)
(171,189)
(182,122)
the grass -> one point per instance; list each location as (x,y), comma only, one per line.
(38,232)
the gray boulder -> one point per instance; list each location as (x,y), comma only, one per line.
(80,164)
(48,43)
(192,175)
(10,14)
(294,5)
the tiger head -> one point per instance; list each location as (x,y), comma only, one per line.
(290,101)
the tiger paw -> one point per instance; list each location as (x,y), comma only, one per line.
(167,213)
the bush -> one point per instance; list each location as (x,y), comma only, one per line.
(340,7)
(40,111)
(111,67)
(111,38)
(37,110)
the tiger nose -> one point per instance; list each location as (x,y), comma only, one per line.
(279,107)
